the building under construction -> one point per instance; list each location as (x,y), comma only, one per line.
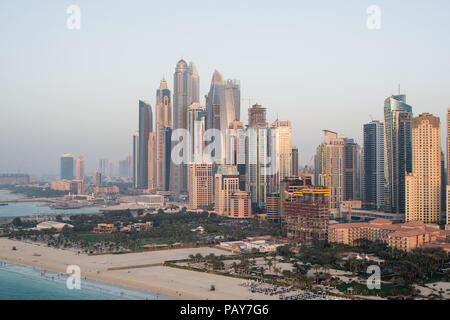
(306,213)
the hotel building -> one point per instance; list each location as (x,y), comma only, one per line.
(240,205)
(406,236)
(200,185)
(330,167)
(281,152)
(423,185)
(226,182)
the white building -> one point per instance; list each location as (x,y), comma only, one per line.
(151,201)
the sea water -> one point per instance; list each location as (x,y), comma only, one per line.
(20,209)
(19,282)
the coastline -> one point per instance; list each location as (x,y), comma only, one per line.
(15,195)
(163,281)
(90,277)
(94,285)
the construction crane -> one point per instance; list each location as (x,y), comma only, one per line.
(348,205)
(249,99)
(310,163)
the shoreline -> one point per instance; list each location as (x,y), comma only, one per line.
(163,281)
(96,285)
(92,278)
(15,195)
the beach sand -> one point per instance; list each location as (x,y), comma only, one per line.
(177,283)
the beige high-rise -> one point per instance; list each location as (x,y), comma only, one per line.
(163,121)
(79,168)
(200,185)
(226,182)
(281,141)
(448,162)
(152,150)
(423,186)
(240,205)
(257,116)
(448,147)
(330,155)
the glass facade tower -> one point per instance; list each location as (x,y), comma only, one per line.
(398,151)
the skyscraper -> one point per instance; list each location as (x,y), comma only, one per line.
(294,161)
(373,165)
(163,120)
(240,205)
(330,156)
(448,168)
(97,178)
(448,145)
(359,171)
(145,127)
(350,169)
(186,92)
(166,163)
(226,183)
(79,168)
(195,83)
(423,185)
(103,165)
(223,103)
(126,167)
(306,214)
(200,185)
(66,166)
(443,185)
(233,96)
(196,122)
(257,164)
(152,151)
(135,158)
(281,152)
(362,176)
(397,151)
(236,150)
(256,116)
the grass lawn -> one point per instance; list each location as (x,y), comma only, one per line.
(386,290)
(94,237)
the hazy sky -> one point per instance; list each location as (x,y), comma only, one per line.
(312,62)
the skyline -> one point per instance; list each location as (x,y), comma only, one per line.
(97,90)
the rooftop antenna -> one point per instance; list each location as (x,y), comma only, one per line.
(399,88)
(249,99)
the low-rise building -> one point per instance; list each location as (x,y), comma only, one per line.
(139,226)
(106,190)
(151,201)
(73,186)
(46,225)
(247,245)
(104,228)
(402,236)
(14,178)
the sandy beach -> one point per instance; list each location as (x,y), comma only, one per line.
(158,279)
